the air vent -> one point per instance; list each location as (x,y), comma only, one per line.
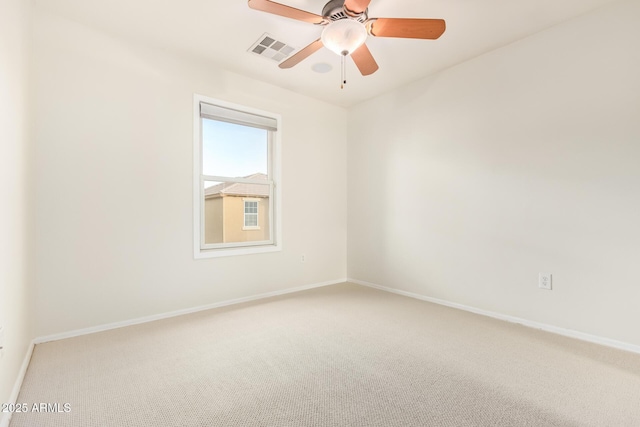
(268,47)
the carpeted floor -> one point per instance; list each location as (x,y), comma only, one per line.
(341,355)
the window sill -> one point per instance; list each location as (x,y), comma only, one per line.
(250,228)
(246,250)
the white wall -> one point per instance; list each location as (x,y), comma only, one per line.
(14,292)
(464,186)
(113,166)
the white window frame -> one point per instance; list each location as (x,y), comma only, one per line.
(244,208)
(202,250)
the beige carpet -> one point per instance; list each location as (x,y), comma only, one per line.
(342,355)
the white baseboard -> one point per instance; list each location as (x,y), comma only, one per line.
(530,323)
(115,325)
(6,416)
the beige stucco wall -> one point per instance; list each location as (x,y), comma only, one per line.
(224,220)
(234,220)
(213,218)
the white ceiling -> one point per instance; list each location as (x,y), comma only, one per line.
(221,31)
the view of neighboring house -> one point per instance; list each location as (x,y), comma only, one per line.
(237,212)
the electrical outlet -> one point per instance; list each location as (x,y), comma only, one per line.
(303,258)
(544,281)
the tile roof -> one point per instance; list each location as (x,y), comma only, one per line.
(240,188)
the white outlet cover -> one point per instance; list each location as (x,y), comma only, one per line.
(544,281)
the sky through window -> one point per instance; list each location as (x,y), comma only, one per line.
(231,150)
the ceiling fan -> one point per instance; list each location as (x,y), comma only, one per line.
(346,27)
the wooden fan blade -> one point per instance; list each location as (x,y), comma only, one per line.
(407,28)
(301,54)
(355,7)
(364,60)
(286,11)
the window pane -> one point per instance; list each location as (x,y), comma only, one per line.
(251,220)
(227,213)
(250,207)
(233,151)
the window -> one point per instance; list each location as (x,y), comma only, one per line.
(250,214)
(236,191)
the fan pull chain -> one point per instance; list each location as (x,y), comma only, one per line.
(343,70)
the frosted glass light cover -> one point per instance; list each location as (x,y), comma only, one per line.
(344,35)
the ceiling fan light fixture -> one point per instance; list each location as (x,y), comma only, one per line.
(344,36)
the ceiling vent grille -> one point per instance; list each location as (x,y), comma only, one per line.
(268,47)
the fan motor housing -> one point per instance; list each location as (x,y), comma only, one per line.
(334,11)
